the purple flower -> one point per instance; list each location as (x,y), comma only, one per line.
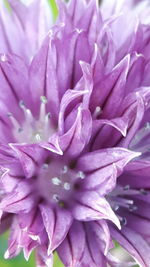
(74,155)
(26,24)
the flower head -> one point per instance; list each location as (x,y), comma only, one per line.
(73,139)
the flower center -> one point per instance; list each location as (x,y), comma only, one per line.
(56,181)
(32,130)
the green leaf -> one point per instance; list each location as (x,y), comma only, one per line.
(54,8)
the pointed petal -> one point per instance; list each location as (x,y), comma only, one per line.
(57,223)
(75,139)
(90,206)
(134,244)
(30,157)
(70,253)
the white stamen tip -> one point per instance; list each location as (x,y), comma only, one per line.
(21,104)
(3,58)
(78,30)
(56,181)
(147,126)
(38,137)
(45,166)
(56,198)
(97,112)
(43,99)
(66,186)
(65,169)
(81,175)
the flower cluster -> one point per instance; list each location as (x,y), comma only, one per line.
(75,131)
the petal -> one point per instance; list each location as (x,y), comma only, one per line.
(105,157)
(6,221)
(13,78)
(42,259)
(30,156)
(111,89)
(20,199)
(134,244)
(90,206)
(57,223)
(93,255)
(44,79)
(136,175)
(102,235)
(53,145)
(13,242)
(76,138)
(68,97)
(114,262)
(70,253)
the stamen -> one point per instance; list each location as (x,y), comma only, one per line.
(143,191)
(97,112)
(147,126)
(81,175)
(33,130)
(3,58)
(121,202)
(56,197)
(56,181)
(43,108)
(21,104)
(126,187)
(43,99)
(133,208)
(67,186)
(137,143)
(116,207)
(123,221)
(45,166)
(38,137)
(15,123)
(65,169)
(29,117)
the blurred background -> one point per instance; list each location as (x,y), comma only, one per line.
(20,261)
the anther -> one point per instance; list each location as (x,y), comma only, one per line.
(126,187)
(43,99)
(65,169)
(147,126)
(9,114)
(20,130)
(38,137)
(133,208)
(116,208)
(3,58)
(143,191)
(48,115)
(21,104)
(81,175)
(56,181)
(67,186)
(56,198)
(123,221)
(45,166)
(97,112)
